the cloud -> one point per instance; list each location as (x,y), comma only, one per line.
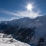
(13,18)
(4,19)
(8,12)
(26,13)
(20,14)
(30,14)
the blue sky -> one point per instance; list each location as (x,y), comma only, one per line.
(14,9)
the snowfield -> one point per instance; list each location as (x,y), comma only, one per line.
(6,45)
(10,41)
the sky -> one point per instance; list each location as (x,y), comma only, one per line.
(15,9)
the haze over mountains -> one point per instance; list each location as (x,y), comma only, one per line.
(25,29)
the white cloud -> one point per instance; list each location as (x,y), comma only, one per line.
(6,19)
(30,14)
(27,13)
(8,12)
(13,18)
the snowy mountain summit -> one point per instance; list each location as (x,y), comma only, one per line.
(27,30)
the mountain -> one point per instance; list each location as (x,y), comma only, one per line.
(25,29)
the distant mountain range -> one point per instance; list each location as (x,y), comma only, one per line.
(25,29)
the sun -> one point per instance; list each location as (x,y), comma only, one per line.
(29,6)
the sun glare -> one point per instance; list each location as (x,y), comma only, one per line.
(29,7)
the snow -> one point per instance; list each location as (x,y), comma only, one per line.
(6,45)
(39,23)
(10,41)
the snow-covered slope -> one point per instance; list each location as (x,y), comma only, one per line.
(5,41)
(6,45)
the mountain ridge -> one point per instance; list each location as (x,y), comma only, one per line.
(38,24)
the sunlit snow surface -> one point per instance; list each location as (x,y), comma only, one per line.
(6,45)
(10,41)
